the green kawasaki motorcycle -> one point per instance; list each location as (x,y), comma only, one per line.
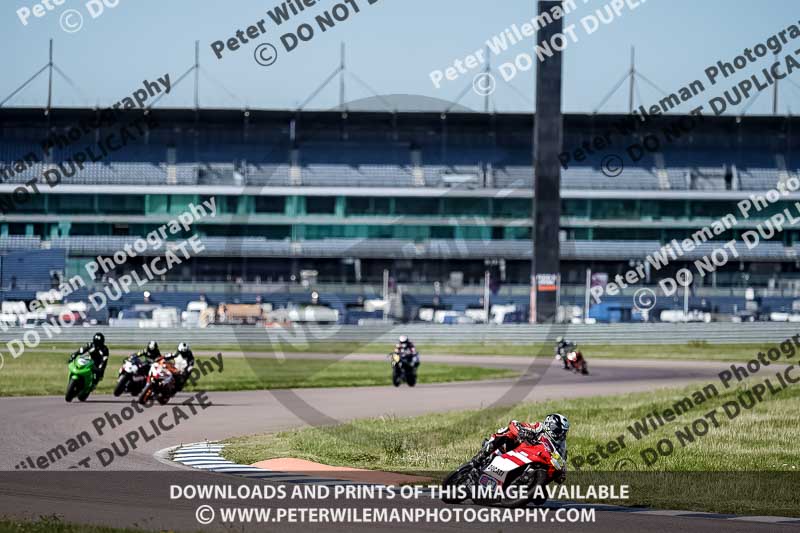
(81,378)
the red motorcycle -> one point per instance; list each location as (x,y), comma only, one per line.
(522,475)
(162,382)
(576,362)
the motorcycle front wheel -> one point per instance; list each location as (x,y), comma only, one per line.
(145,395)
(539,480)
(72,389)
(397,378)
(411,377)
(122,384)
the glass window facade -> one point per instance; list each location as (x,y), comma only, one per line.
(447,218)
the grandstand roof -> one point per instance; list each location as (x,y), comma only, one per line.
(30,116)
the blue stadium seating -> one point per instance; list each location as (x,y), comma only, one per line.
(32,270)
(388,164)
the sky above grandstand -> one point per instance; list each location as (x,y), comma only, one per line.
(393,46)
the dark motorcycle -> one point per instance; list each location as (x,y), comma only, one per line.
(132,376)
(403,368)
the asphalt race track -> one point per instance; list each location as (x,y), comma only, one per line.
(34,425)
(41,422)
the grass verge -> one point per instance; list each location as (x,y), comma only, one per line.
(693,351)
(758,446)
(46,374)
(52,524)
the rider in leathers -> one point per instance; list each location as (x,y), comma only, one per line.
(97,350)
(554,426)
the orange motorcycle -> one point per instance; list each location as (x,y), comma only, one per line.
(162,381)
(576,362)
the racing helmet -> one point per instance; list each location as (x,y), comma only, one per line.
(183,348)
(99,339)
(559,340)
(152,347)
(556,426)
(402,339)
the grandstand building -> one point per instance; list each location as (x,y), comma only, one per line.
(422,195)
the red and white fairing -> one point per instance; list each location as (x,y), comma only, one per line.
(543,452)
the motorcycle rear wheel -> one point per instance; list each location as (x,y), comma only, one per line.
(72,389)
(411,378)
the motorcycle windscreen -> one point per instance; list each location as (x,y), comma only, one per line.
(159,371)
(180,363)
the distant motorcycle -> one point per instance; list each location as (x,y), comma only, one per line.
(81,378)
(132,376)
(517,472)
(576,362)
(162,380)
(403,368)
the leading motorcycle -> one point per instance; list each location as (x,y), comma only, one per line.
(162,379)
(522,474)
